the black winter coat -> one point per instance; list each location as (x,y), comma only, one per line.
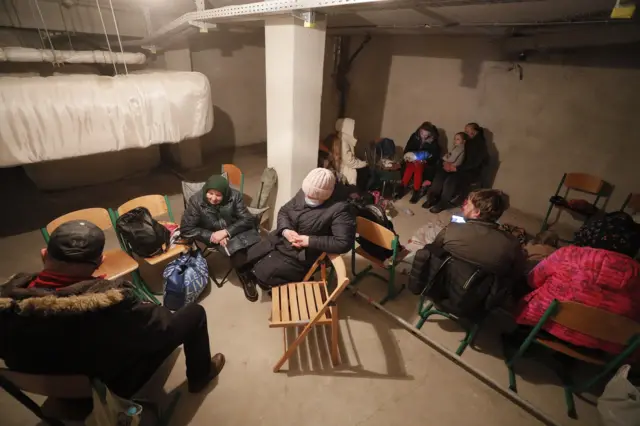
(201,219)
(96,328)
(476,155)
(416,144)
(331,228)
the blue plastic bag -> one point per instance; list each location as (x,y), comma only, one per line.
(184,279)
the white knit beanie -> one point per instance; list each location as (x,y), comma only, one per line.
(319,184)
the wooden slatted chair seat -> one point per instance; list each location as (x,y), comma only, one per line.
(298,303)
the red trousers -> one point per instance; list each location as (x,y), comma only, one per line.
(414,169)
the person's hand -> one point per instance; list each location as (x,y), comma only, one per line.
(218,236)
(448,167)
(224,241)
(290,235)
(301,242)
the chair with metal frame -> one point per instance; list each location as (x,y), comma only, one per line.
(386,239)
(581,182)
(117,262)
(158,205)
(631,203)
(234,175)
(587,320)
(431,308)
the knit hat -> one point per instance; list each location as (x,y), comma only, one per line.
(346,126)
(218,183)
(319,184)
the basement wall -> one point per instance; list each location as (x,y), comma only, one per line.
(575,111)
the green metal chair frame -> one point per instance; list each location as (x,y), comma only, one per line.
(382,237)
(595,322)
(578,182)
(113,213)
(430,309)
(139,288)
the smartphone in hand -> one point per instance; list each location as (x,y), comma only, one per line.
(457,219)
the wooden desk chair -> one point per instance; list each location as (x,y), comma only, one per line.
(157,205)
(386,239)
(234,175)
(590,321)
(117,263)
(632,203)
(309,304)
(581,182)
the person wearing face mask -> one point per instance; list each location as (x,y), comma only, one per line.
(217,217)
(311,223)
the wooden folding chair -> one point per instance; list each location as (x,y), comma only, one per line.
(309,304)
(590,321)
(234,175)
(157,205)
(632,203)
(384,238)
(117,262)
(581,182)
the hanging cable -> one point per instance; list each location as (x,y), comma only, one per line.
(35,21)
(44,25)
(106,36)
(64,22)
(118,34)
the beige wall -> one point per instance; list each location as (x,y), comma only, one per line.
(574,112)
(235,65)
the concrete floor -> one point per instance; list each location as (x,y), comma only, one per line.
(387,376)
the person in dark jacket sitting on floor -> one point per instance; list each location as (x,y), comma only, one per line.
(478,242)
(451,181)
(217,217)
(311,223)
(65,321)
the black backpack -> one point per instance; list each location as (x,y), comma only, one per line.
(144,235)
(375,214)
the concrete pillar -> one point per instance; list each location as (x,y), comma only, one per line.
(188,153)
(294,68)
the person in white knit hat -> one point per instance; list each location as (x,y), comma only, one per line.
(311,223)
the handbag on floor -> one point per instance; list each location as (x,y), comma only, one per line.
(619,404)
(111,410)
(184,279)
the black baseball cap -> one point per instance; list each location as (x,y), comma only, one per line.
(77,241)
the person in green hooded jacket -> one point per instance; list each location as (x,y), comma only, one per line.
(218,217)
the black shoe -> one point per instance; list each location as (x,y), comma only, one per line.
(249,286)
(430,202)
(439,208)
(400,193)
(217,363)
(415,197)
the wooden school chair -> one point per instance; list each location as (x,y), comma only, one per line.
(234,175)
(632,204)
(386,239)
(308,304)
(580,182)
(117,262)
(590,321)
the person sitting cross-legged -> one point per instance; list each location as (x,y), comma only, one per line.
(217,217)
(65,321)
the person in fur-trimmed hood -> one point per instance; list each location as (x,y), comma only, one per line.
(65,321)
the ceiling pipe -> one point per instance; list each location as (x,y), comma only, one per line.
(21,54)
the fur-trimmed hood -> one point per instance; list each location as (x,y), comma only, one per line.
(84,296)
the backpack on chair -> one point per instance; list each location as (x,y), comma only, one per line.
(144,235)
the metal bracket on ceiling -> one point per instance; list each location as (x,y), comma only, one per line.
(308,16)
(150,48)
(199,5)
(204,26)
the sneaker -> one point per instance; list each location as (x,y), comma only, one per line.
(415,197)
(217,363)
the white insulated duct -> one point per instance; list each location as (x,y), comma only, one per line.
(22,54)
(51,118)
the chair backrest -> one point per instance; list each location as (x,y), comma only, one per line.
(583,182)
(375,233)
(156,204)
(339,268)
(632,203)
(98,216)
(55,386)
(594,322)
(234,175)
(189,189)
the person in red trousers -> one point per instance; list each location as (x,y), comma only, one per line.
(423,142)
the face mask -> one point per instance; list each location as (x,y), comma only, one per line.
(312,203)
